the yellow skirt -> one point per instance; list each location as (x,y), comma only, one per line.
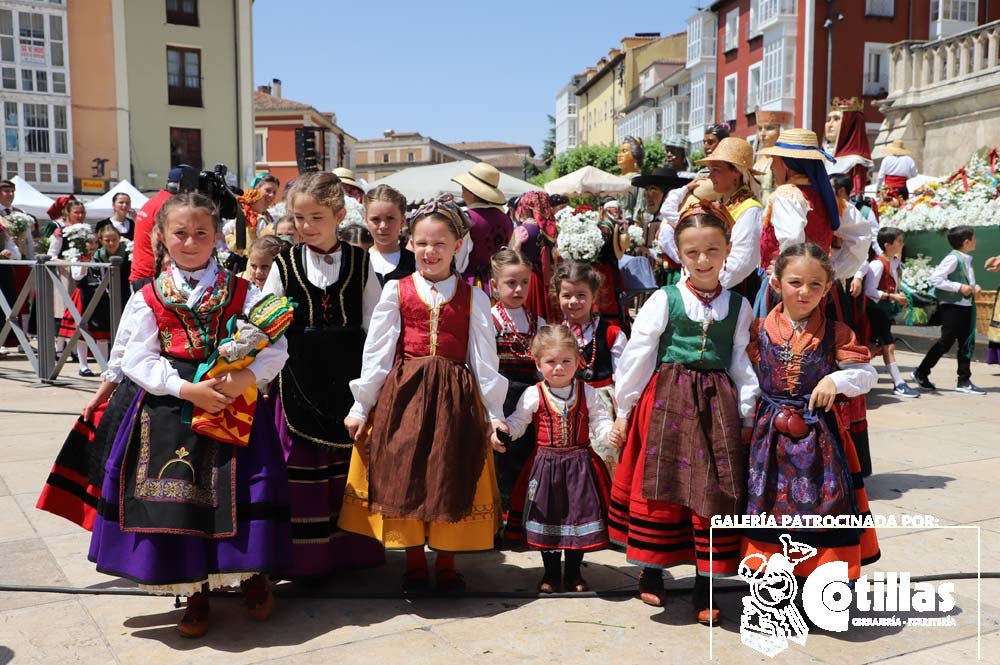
(470,534)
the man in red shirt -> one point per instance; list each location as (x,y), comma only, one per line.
(145,222)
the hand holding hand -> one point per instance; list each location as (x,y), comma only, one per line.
(206,395)
(898,298)
(824,394)
(619,432)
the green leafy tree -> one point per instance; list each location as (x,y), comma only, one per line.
(549,147)
(605,157)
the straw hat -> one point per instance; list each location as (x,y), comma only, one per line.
(795,144)
(347,177)
(483,180)
(733,150)
(896,148)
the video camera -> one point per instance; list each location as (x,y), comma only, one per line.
(213,185)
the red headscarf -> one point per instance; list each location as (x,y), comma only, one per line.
(853,136)
(55,211)
(536,203)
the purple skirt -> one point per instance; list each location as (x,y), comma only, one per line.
(263,535)
(317,475)
(563,507)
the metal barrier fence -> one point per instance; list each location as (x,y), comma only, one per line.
(45,285)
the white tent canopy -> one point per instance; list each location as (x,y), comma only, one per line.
(101,208)
(422,183)
(29,199)
(588,181)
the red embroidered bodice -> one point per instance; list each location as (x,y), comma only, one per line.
(818,229)
(558,429)
(427,331)
(190,335)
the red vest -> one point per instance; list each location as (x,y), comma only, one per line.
(817,230)
(558,430)
(186,337)
(424,335)
(887,282)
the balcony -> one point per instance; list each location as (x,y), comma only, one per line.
(771,13)
(938,68)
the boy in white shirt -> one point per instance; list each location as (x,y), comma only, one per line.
(883,301)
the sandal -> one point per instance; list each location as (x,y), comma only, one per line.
(578,585)
(194,623)
(416,580)
(548,586)
(707,617)
(449,581)
(651,589)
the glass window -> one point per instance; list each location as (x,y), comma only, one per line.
(29,172)
(182,12)
(41,80)
(185,147)
(44,173)
(27,80)
(258,147)
(9,76)
(183,76)
(10,134)
(36,122)
(11,169)
(62,173)
(6,35)
(56,41)
(58,82)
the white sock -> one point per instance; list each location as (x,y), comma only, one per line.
(897,378)
(81,353)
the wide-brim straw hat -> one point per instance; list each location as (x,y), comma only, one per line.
(733,150)
(663,177)
(483,180)
(795,144)
(347,177)
(896,148)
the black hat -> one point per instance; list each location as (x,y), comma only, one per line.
(663,177)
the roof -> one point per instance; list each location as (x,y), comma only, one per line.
(265,102)
(472,146)
(512,161)
(596,77)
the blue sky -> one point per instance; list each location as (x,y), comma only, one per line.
(456,71)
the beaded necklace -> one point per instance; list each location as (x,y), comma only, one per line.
(507,326)
(581,339)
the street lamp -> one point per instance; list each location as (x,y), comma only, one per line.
(832,15)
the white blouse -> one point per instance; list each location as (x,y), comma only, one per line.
(561,398)
(640,358)
(141,358)
(617,349)
(383,264)
(321,274)
(519,317)
(744,258)
(874,275)
(386,327)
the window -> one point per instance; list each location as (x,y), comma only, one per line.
(27,80)
(11,132)
(61,133)
(183,76)
(694,39)
(9,76)
(62,173)
(59,82)
(44,172)
(954,10)
(876,74)
(185,147)
(36,123)
(729,97)
(182,12)
(385,158)
(777,77)
(754,29)
(879,8)
(732,29)
(409,156)
(258,147)
(6,35)
(753,88)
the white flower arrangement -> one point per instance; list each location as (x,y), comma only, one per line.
(917,273)
(355,214)
(636,238)
(278,210)
(129,247)
(17,223)
(75,239)
(579,239)
(970,197)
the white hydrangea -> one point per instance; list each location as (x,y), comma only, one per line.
(579,237)
(917,273)
(355,213)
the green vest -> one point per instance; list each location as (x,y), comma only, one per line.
(686,342)
(957,275)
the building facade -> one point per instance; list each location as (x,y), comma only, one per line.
(380,157)
(276,120)
(36,86)
(645,117)
(508,158)
(566,115)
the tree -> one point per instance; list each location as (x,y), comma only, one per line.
(549,147)
(605,157)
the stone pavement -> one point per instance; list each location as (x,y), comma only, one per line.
(937,455)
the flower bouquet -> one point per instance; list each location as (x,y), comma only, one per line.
(968,196)
(636,239)
(75,239)
(916,287)
(16,223)
(579,238)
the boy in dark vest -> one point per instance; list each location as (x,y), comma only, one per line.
(955,288)
(884,301)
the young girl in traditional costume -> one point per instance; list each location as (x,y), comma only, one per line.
(385,211)
(181,512)
(430,387)
(336,291)
(601,341)
(515,326)
(802,459)
(683,385)
(561,498)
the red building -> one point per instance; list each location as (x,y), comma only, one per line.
(275,122)
(776,54)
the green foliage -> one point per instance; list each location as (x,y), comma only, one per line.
(605,157)
(543,177)
(656,154)
(549,148)
(694,157)
(529,170)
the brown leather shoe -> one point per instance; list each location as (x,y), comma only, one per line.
(194,623)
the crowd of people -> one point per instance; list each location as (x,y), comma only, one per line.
(450,382)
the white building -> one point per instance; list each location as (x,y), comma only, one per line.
(701,36)
(648,115)
(34,79)
(566,128)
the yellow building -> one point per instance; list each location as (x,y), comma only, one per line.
(156,83)
(613,83)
